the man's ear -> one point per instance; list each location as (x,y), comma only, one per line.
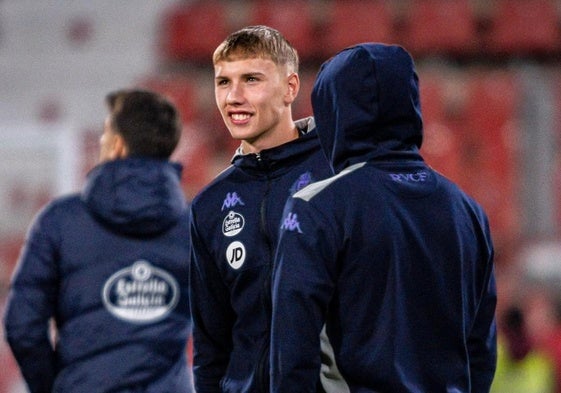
(120,148)
(293,87)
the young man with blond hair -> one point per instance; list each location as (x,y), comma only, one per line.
(236,218)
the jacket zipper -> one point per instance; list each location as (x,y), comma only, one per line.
(262,368)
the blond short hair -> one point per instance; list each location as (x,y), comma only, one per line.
(258,42)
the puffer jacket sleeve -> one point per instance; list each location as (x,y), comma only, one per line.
(212,315)
(32,302)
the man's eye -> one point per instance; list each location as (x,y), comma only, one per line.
(222,82)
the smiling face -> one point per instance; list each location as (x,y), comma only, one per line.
(254,96)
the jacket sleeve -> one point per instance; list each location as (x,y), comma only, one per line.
(31,305)
(482,341)
(212,317)
(303,284)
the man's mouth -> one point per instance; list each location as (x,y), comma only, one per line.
(240,116)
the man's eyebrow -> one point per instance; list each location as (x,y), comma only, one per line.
(244,75)
(252,74)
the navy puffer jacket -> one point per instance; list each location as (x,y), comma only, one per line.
(110,267)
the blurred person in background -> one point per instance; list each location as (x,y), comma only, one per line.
(236,218)
(552,344)
(393,258)
(109,267)
(521,367)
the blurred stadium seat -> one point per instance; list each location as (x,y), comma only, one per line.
(303,106)
(191,31)
(441,139)
(178,88)
(492,105)
(293,18)
(470,136)
(195,152)
(523,27)
(440,27)
(354,21)
(557,186)
(490,161)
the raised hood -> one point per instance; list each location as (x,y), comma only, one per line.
(366,104)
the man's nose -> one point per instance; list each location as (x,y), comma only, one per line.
(235,94)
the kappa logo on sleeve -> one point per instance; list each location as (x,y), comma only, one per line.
(232,199)
(291,223)
(303,180)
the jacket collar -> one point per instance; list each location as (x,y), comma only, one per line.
(279,159)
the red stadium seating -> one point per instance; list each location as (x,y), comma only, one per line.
(354,21)
(179,89)
(442,136)
(493,104)
(193,30)
(557,186)
(490,162)
(440,27)
(196,153)
(293,18)
(302,107)
(470,134)
(524,27)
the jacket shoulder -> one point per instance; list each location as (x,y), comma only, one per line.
(61,205)
(310,191)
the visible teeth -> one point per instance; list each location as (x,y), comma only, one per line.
(240,116)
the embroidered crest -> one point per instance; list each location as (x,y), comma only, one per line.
(233,224)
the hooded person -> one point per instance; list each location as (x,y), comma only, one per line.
(390,256)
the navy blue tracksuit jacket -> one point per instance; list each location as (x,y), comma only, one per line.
(110,266)
(235,225)
(392,257)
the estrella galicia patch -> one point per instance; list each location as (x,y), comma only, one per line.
(303,180)
(233,224)
(140,293)
(232,199)
(235,255)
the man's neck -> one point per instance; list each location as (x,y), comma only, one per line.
(268,143)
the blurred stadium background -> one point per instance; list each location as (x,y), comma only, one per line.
(490,88)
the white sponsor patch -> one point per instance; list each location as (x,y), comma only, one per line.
(235,255)
(140,293)
(233,224)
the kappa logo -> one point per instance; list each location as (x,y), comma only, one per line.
(291,223)
(233,224)
(232,199)
(235,255)
(301,182)
(140,293)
